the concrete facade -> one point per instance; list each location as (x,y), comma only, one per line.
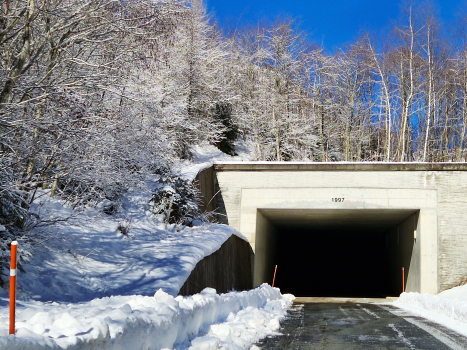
(420,205)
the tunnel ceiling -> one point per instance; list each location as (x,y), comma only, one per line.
(361,220)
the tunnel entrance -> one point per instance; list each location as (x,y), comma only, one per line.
(338,253)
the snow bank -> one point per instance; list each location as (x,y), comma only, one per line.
(448,308)
(236,319)
(453,308)
(458,293)
(246,327)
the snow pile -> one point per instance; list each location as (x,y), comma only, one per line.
(448,307)
(141,322)
(451,303)
(245,328)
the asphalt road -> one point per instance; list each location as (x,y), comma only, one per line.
(359,326)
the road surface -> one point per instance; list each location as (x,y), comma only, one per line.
(359,326)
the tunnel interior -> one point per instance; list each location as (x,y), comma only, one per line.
(338,253)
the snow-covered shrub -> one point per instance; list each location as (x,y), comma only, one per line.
(82,192)
(25,251)
(13,208)
(5,240)
(15,220)
(176,199)
(13,216)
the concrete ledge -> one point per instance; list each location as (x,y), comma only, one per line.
(304,300)
(338,166)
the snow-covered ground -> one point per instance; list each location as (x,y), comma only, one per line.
(92,281)
(87,256)
(448,308)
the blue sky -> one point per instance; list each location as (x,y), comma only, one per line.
(331,22)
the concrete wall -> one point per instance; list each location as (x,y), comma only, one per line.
(205,182)
(437,191)
(265,254)
(229,268)
(403,246)
(254,200)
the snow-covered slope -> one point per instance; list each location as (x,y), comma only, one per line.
(92,279)
(111,279)
(86,256)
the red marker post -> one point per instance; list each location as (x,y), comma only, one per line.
(403,282)
(274,278)
(14,246)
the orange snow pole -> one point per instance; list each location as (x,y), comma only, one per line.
(403,276)
(274,278)
(14,246)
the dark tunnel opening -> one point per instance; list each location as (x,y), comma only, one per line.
(332,263)
(353,253)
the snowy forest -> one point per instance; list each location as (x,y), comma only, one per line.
(97,94)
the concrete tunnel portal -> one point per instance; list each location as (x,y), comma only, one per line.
(335,252)
(346,229)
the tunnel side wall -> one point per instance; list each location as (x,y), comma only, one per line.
(404,251)
(265,254)
(229,268)
(205,182)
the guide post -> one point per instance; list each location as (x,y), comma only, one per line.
(403,282)
(274,278)
(14,246)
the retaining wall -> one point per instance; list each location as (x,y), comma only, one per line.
(229,268)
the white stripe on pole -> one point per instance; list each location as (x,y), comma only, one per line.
(12,272)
